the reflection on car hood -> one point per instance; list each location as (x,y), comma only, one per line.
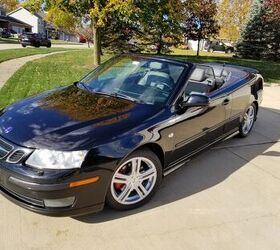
(70,119)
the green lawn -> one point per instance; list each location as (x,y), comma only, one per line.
(8,54)
(12,40)
(269,70)
(47,73)
(63,69)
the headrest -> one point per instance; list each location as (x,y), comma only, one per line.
(151,75)
(155,65)
(198,75)
(218,72)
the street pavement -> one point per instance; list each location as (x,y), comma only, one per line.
(69,46)
(226,198)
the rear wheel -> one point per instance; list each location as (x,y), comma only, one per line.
(248,121)
(135,181)
(23,45)
(49,45)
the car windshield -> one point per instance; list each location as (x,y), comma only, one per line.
(140,79)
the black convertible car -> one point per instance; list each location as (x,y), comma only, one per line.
(111,137)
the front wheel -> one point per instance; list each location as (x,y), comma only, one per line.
(135,181)
(248,121)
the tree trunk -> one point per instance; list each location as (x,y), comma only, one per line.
(198,48)
(96,46)
(159,48)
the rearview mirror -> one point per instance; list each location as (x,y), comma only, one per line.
(195,100)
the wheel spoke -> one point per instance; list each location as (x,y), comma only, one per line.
(141,191)
(125,193)
(245,127)
(121,178)
(136,164)
(147,174)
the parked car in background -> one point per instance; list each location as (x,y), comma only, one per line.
(36,40)
(111,137)
(220,47)
(4,33)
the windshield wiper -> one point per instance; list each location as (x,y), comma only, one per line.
(123,96)
(83,84)
(126,97)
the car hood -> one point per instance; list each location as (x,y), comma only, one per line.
(71,119)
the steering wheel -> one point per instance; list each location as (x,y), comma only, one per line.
(164,84)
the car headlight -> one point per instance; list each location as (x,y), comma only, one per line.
(43,158)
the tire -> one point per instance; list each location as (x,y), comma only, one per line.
(134,190)
(23,45)
(49,45)
(37,45)
(250,118)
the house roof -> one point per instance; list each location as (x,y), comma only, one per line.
(39,15)
(10,19)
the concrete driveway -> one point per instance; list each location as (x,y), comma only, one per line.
(226,198)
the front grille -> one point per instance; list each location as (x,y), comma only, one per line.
(16,156)
(5,149)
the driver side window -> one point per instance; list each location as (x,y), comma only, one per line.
(202,81)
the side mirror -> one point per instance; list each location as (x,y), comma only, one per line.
(195,100)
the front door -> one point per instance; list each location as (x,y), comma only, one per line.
(198,127)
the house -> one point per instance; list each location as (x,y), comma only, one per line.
(11,24)
(39,25)
(36,20)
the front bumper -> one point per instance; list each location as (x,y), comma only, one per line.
(32,189)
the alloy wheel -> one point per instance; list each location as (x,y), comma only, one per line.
(133,181)
(248,120)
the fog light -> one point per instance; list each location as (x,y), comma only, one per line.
(65,202)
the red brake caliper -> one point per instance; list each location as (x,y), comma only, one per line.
(119,186)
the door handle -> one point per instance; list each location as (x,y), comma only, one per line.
(226,101)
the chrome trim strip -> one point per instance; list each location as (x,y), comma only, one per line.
(26,152)
(7,152)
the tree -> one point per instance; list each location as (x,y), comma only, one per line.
(120,33)
(261,36)
(232,16)
(159,22)
(65,12)
(32,5)
(273,9)
(9,5)
(200,22)
(97,11)
(61,18)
